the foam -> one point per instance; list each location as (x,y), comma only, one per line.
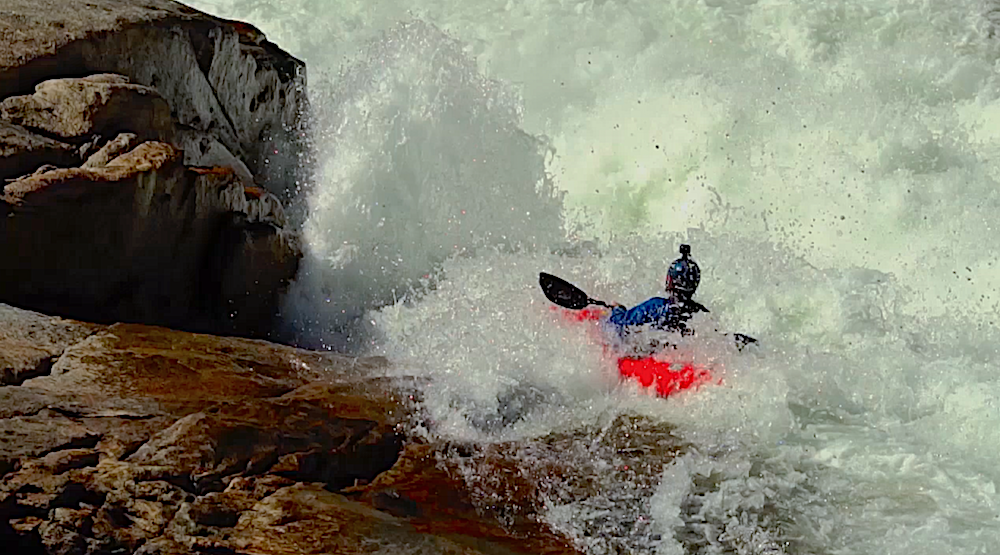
(832,163)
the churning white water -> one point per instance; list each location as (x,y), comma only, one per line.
(834,165)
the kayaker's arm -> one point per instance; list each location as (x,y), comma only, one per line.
(645,313)
(618,313)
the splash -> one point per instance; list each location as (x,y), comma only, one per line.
(831,162)
(664,373)
(421,158)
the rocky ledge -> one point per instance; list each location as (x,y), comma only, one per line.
(138,439)
(149,152)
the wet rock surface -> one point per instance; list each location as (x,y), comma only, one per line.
(506,491)
(149,440)
(138,432)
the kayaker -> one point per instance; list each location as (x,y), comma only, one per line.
(669,313)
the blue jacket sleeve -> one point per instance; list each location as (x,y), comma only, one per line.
(648,312)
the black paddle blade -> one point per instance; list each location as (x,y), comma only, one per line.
(562,292)
(743,340)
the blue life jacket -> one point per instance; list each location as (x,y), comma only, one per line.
(661,313)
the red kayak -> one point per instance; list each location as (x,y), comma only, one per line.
(666,376)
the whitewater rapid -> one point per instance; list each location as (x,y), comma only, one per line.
(832,164)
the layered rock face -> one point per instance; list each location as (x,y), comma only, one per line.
(149,151)
(144,238)
(229,89)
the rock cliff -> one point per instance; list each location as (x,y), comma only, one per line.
(150,152)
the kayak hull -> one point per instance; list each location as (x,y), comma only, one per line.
(664,377)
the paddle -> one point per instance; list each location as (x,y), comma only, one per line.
(564,293)
(567,295)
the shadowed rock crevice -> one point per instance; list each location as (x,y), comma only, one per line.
(355,465)
(32,347)
(41,368)
(295,440)
(23,151)
(17,537)
(88,441)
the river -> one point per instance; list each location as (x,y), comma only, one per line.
(834,165)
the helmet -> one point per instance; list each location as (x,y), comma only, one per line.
(684,274)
